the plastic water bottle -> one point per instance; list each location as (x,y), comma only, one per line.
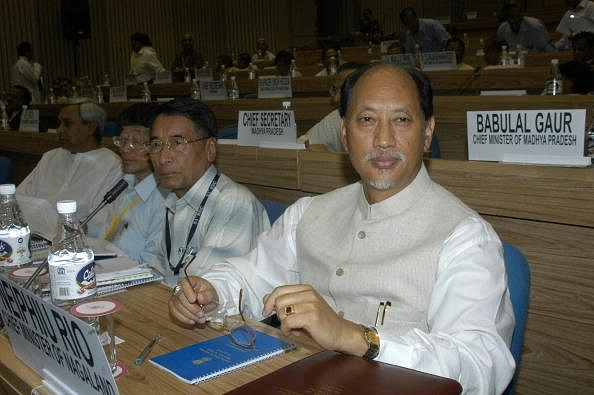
(195,92)
(99,94)
(251,72)
(294,72)
(4,120)
(14,232)
(146,93)
(71,261)
(554,84)
(187,76)
(332,66)
(234,91)
(51,97)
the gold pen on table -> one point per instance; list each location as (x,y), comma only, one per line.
(147,349)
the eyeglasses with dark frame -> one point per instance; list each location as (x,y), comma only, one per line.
(175,144)
(239,331)
(135,145)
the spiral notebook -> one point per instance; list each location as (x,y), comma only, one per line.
(214,357)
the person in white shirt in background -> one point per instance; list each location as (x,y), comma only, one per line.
(395,236)
(578,18)
(144,63)
(81,168)
(325,135)
(25,72)
(135,220)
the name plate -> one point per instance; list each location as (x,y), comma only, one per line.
(29,121)
(163,77)
(213,90)
(54,343)
(401,59)
(256,127)
(445,60)
(118,94)
(552,137)
(204,74)
(272,87)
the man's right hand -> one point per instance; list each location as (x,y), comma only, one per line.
(196,297)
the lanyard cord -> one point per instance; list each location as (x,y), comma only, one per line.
(197,216)
(118,217)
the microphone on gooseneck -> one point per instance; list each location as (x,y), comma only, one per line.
(109,197)
(466,84)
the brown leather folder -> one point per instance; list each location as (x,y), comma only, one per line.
(332,373)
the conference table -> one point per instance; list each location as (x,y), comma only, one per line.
(144,312)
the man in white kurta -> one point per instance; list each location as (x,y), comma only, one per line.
(81,169)
(396,236)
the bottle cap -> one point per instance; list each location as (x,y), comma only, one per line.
(66,206)
(7,189)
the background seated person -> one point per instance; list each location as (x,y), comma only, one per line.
(395,235)
(18,96)
(517,29)
(428,34)
(493,50)
(243,63)
(207,214)
(62,89)
(330,61)
(457,45)
(282,62)
(224,62)
(81,168)
(262,53)
(189,58)
(578,77)
(134,223)
(325,135)
(579,17)
(583,47)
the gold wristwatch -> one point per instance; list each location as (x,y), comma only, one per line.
(373,342)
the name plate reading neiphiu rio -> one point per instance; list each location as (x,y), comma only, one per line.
(529,136)
(254,127)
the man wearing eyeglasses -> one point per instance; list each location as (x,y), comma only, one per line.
(80,169)
(207,214)
(393,267)
(134,220)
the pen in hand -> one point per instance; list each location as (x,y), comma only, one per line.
(147,349)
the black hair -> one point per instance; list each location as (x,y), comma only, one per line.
(283,57)
(405,11)
(138,114)
(24,47)
(588,36)
(26,95)
(142,38)
(580,74)
(200,114)
(457,40)
(421,80)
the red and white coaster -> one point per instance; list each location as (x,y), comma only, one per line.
(95,308)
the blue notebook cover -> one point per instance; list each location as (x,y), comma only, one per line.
(214,357)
